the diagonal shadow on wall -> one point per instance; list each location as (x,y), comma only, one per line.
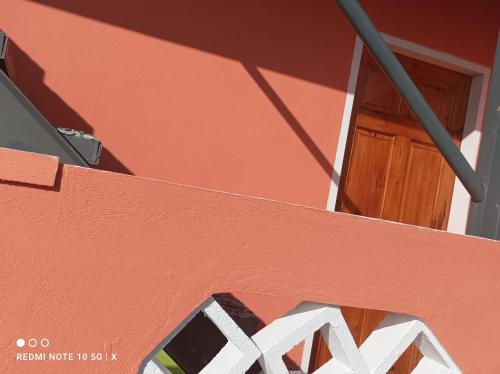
(283,36)
(29,77)
(299,130)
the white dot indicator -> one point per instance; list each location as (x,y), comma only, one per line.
(20,343)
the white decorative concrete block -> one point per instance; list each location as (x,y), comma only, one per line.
(377,354)
(239,353)
(394,335)
(434,351)
(154,367)
(283,334)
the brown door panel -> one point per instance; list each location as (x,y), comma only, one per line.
(372,154)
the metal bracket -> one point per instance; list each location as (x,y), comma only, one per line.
(87,145)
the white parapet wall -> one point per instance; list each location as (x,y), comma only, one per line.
(376,355)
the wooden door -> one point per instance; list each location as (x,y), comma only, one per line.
(392,170)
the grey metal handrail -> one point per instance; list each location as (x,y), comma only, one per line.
(403,83)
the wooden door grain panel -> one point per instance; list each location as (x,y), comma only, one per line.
(420,189)
(372,154)
(379,95)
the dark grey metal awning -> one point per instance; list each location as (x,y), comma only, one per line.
(23,127)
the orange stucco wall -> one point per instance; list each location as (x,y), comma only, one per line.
(104,262)
(245,97)
(241,96)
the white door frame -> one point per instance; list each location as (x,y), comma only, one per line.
(469,147)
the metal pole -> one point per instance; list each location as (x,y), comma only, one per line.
(403,83)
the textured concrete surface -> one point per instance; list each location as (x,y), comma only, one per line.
(82,266)
(25,167)
(245,97)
